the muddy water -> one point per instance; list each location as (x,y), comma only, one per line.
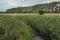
(37,34)
(38,38)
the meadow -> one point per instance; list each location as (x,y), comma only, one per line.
(17,27)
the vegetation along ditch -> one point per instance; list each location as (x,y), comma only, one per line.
(29,27)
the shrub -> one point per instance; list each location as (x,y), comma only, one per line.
(41,11)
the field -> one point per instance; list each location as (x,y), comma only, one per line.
(22,27)
(15,14)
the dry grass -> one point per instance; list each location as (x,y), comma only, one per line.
(52,14)
(22,14)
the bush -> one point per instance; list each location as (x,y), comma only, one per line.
(41,11)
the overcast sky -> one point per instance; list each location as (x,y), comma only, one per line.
(6,4)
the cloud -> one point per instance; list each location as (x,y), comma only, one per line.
(6,4)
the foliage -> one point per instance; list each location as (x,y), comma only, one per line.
(41,11)
(33,8)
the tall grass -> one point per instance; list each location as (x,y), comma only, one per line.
(19,27)
(49,26)
(12,29)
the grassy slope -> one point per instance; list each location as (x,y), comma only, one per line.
(12,29)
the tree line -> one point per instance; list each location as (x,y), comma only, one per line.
(48,7)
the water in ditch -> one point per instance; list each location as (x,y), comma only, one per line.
(38,38)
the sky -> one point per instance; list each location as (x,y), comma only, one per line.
(7,4)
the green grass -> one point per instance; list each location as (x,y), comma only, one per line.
(49,26)
(20,27)
(12,29)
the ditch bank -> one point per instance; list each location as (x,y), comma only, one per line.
(40,36)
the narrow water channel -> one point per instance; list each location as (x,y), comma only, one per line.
(37,35)
(38,38)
